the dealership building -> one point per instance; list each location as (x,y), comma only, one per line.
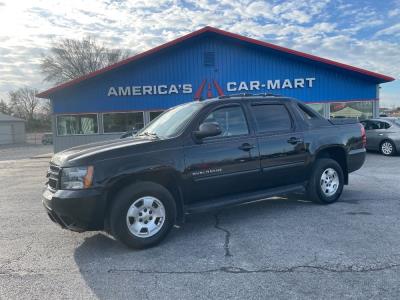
(204,64)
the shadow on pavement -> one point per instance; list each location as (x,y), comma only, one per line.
(106,264)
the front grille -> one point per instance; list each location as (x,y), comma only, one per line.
(53,177)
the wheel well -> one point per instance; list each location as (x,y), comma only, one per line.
(167,180)
(386,140)
(339,155)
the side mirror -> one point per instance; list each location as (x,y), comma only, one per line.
(208,130)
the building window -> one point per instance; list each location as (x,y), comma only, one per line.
(122,122)
(77,124)
(318,107)
(155,114)
(356,109)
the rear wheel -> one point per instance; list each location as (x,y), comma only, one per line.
(387,148)
(326,182)
(142,215)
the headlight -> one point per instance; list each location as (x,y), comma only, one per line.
(76,178)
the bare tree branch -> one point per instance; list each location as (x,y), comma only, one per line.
(69,59)
(24,103)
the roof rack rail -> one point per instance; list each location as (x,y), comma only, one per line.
(268,95)
(248,95)
(235,95)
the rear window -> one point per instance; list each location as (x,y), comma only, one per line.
(374,125)
(271,117)
(307,113)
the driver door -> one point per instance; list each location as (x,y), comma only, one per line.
(224,164)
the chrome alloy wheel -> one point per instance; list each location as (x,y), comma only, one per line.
(329,182)
(387,148)
(145,217)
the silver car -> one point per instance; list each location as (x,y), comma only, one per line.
(383,135)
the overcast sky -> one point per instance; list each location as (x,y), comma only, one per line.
(361,33)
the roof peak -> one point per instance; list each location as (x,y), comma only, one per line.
(377,76)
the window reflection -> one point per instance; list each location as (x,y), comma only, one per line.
(121,122)
(318,107)
(77,124)
(356,109)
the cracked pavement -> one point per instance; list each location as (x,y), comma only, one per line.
(283,247)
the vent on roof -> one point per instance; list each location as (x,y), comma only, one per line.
(209,59)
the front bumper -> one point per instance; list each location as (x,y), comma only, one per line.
(355,159)
(79,210)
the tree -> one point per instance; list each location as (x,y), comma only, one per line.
(69,59)
(5,108)
(24,103)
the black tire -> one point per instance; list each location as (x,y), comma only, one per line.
(123,201)
(389,145)
(314,189)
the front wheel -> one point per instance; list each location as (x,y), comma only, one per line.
(142,215)
(326,182)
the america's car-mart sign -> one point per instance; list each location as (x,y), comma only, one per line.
(231,86)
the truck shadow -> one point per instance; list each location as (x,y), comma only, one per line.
(111,270)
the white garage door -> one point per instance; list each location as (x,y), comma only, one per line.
(5,134)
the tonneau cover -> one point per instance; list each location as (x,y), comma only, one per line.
(342,121)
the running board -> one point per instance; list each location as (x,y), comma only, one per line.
(242,198)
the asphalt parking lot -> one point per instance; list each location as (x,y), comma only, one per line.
(278,248)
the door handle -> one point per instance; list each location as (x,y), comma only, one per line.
(246,147)
(294,140)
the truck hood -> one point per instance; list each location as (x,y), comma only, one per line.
(74,155)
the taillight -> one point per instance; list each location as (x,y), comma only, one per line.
(363,135)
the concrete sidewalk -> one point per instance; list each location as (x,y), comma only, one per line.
(24,151)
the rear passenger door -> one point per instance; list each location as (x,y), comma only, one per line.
(281,146)
(375,132)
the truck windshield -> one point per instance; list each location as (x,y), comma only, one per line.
(171,122)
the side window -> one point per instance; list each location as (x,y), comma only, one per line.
(230,119)
(366,124)
(307,114)
(381,125)
(371,125)
(271,117)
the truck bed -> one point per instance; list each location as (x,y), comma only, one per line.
(343,121)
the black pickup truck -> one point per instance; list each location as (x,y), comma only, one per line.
(199,156)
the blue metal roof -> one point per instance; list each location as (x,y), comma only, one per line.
(178,73)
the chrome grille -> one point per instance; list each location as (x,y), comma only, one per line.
(53,177)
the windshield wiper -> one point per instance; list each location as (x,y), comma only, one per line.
(149,134)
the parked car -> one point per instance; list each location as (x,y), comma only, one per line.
(47,138)
(383,135)
(199,156)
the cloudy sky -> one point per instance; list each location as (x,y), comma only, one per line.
(363,33)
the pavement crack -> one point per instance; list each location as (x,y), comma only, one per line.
(27,249)
(238,270)
(227,235)
(225,269)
